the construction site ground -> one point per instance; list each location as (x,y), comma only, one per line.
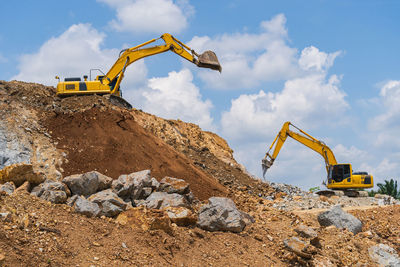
(78,134)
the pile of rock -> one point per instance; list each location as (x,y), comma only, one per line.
(289,190)
(94,195)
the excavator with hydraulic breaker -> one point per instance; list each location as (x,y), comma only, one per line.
(340,176)
(110,83)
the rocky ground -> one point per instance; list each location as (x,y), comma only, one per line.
(69,215)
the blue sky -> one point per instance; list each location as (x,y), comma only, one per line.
(330,67)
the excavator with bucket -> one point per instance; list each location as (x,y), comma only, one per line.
(340,176)
(109,84)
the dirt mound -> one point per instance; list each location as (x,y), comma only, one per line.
(181,135)
(112,143)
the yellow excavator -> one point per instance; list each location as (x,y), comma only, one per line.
(340,176)
(110,83)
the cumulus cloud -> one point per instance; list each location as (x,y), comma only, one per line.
(385,126)
(310,98)
(248,60)
(308,101)
(176,97)
(150,16)
(72,54)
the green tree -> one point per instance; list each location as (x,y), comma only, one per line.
(389,188)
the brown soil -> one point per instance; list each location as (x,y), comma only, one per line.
(98,136)
(112,143)
(39,233)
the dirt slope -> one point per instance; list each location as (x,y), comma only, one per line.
(112,143)
(98,136)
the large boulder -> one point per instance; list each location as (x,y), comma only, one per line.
(173,185)
(384,255)
(88,183)
(341,219)
(133,186)
(52,191)
(221,214)
(86,207)
(56,197)
(8,188)
(109,203)
(160,200)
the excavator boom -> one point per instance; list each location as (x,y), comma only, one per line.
(110,82)
(303,138)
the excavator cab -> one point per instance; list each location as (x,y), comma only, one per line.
(339,172)
(341,176)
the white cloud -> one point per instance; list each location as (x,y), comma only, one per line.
(313,59)
(309,98)
(150,16)
(176,97)
(248,60)
(72,54)
(308,101)
(385,126)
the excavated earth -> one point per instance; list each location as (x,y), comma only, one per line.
(63,136)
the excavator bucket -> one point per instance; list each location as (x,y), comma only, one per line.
(209,60)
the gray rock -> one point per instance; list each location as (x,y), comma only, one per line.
(341,219)
(13,149)
(71,201)
(174,185)
(386,200)
(56,197)
(154,184)
(305,231)
(88,183)
(86,207)
(147,192)
(130,187)
(384,255)
(54,192)
(110,204)
(159,200)
(190,198)
(221,214)
(49,185)
(8,188)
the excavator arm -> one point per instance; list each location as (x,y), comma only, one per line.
(110,82)
(206,60)
(303,138)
